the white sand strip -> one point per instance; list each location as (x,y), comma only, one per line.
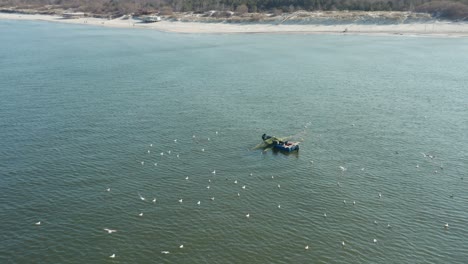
(448,29)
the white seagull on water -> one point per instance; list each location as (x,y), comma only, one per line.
(38,223)
(112,256)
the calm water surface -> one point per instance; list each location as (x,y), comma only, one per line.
(80,106)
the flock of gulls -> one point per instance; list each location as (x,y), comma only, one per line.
(342,169)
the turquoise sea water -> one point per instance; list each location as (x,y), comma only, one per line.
(80,106)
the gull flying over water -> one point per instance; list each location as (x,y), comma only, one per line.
(110,231)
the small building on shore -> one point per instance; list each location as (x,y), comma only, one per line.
(73,15)
(150,19)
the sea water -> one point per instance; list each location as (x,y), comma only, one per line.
(93,119)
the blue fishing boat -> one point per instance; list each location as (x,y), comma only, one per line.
(280,144)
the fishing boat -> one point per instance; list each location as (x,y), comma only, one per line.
(280,144)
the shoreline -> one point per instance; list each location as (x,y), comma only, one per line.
(437,29)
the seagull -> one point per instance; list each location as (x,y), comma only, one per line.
(279,206)
(389,226)
(181,246)
(344,201)
(307,247)
(272,176)
(108,189)
(175,140)
(209,180)
(354,202)
(149,151)
(251,174)
(186,178)
(162,154)
(141,197)
(235,181)
(155,164)
(375,240)
(208,139)
(362,169)
(198,202)
(424,154)
(216,132)
(343,243)
(342,168)
(325,215)
(243,187)
(38,223)
(142,162)
(112,256)
(154,200)
(214,172)
(380,195)
(212,198)
(202,149)
(247,215)
(417,165)
(279,186)
(446,225)
(181,200)
(110,231)
(375,222)
(168,152)
(165,252)
(238,194)
(140,214)
(177,155)
(151,144)
(208,187)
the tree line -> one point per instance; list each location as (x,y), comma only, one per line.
(451,9)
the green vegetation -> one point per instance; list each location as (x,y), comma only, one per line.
(450,9)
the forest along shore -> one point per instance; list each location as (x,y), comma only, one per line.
(336,22)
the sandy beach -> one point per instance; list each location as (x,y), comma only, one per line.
(444,29)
